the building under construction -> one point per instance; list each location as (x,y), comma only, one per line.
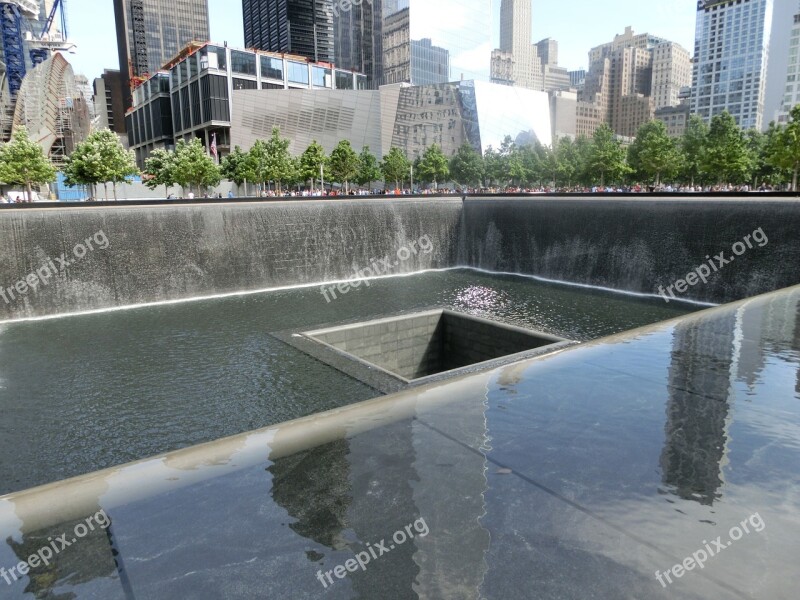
(151,32)
(38,89)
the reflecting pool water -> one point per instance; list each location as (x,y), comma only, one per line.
(83,393)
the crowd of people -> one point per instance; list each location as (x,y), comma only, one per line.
(13,198)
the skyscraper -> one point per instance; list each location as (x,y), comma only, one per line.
(520,63)
(633,75)
(150,32)
(730,64)
(358,39)
(782,71)
(517,61)
(515,26)
(791,97)
(435,42)
(302,27)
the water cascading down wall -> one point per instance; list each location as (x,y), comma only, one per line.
(162,253)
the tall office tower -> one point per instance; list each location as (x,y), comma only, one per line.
(782,70)
(730,64)
(435,42)
(554,78)
(358,39)
(517,61)
(631,76)
(109,102)
(303,27)
(791,97)
(151,32)
(515,26)
(672,72)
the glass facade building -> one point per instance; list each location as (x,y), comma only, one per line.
(791,97)
(151,32)
(302,27)
(730,64)
(194,98)
(358,38)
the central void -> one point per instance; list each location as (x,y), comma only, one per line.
(412,347)
(83,393)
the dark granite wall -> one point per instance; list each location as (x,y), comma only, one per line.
(161,253)
(637,244)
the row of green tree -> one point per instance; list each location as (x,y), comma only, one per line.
(705,155)
(100,159)
(719,153)
(269,163)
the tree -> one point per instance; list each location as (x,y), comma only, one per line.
(654,153)
(783,149)
(22,162)
(311,163)
(237,167)
(495,167)
(693,145)
(533,162)
(726,156)
(550,163)
(583,151)
(368,168)
(395,166)
(567,162)
(606,157)
(761,170)
(258,162)
(344,164)
(466,166)
(160,169)
(193,167)
(433,166)
(100,158)
(280,167)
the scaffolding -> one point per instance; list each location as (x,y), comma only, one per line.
(140,65)
(21,34)
(52,109)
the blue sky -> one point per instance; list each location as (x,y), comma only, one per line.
(578,25)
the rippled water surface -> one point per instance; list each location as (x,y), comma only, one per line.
(87,392)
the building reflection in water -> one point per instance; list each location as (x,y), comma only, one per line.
(709,357)
(362,490)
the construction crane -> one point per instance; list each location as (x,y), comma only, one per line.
(43,45)
(12,29)
(16,32)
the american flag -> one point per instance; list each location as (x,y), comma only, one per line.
(214,145)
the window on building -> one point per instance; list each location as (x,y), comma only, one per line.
(243,63)
(321,76)
(271,68)
(244,84)
(214,91)
(344,80)
(298,72)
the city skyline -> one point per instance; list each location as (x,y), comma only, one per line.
(91,26)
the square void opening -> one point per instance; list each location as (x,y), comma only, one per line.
(419,345)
